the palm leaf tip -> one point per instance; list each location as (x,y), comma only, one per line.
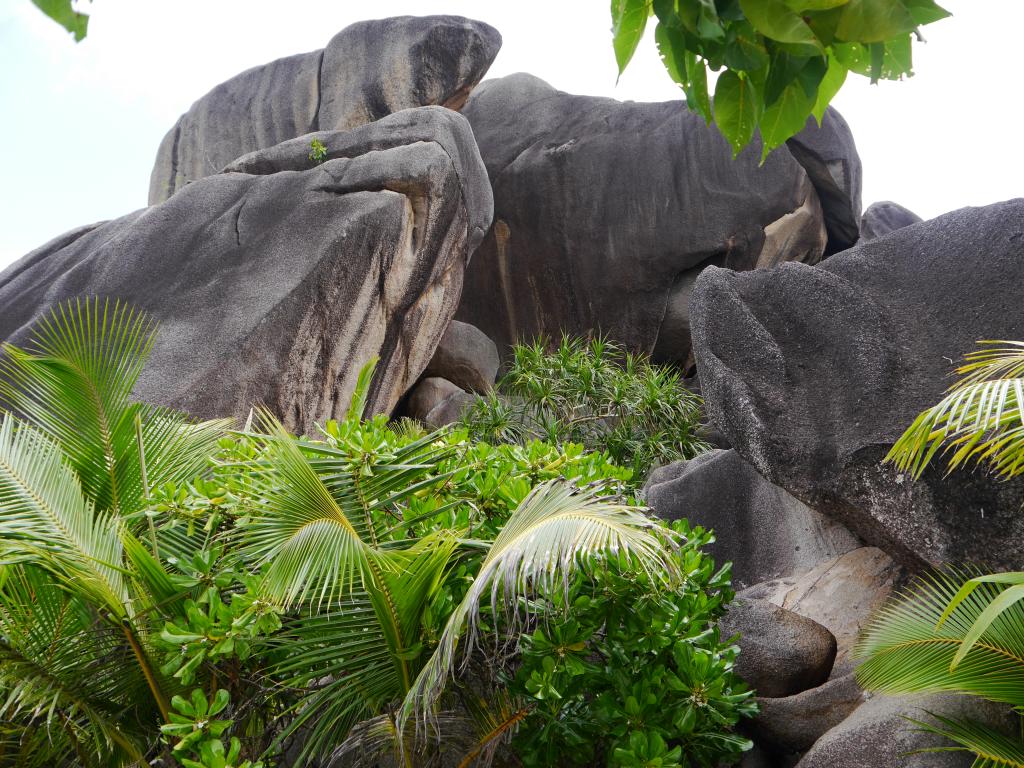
(556,531)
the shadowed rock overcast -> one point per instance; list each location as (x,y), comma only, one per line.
(100,109)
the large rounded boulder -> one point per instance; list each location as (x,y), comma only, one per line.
(277,282)
(367,71)
(812,373)
(606,211)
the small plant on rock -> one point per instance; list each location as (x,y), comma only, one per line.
(317,152)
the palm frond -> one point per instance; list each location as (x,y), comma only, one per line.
(911,645)
(981,418)
(990,748)
(74,382)
(555,531)
(45,517)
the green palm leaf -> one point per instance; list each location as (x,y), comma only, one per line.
(912,643)
(991,748)
(74,383)
(981,419)
(555,531)
(45,517)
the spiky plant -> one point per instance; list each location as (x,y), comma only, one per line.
(955,631)
(77,582)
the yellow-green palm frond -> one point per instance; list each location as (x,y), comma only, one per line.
(981,418)
(554,532)
(46,520)
(73,381)
(990,748)
(913,644)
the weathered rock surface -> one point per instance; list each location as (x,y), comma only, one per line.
(884,217)
(465,357)
(829,155)
(877,734)
(793,723)
(450,410)
(368,70)
(606,210)
(277,288)
(427,394)
(764,531)
(782,653)
(840,594)
(812,372)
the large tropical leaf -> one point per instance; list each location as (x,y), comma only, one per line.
(65,673)
(990,748)
(553,533)
(74,382)
(45,518)
(981,418)
(912,643)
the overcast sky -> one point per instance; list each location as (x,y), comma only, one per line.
(82,122)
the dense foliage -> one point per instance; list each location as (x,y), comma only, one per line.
(957,630)
(780,61)
(174,592)
(596,394)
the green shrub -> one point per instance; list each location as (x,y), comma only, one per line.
(595,394)
(322,596)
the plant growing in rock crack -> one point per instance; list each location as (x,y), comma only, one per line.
(172,591)
(596,394)
(959,630)
(317,151)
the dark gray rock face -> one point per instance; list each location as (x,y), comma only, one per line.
(884,217)
(428,392)
(764,531)
(813,372)
(278,285)
(605,211)
(877,734)
(793,723)
(829,155)
(781,653)
(368,70)
(465,357)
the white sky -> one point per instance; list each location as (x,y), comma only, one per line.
(81,123)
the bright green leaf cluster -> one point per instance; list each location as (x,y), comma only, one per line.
(781,61)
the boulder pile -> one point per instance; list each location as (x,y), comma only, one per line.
(432,240)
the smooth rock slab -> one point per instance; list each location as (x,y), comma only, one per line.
(277,286)
(793,723)
(840,594)
(367,71)
(605,211)
(781,653)
(877,735)
(813,372)
(761,529)
(884,217)
(466,357)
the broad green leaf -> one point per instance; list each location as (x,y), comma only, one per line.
(672,49)
(744,50)
(61,11)
(925,11)
(799,6)
(774,19)
(874,21)
(834,78)
(629,18)
(697,94)
(735,109)
(785,118)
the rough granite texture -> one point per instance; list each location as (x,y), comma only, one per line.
(812,372)
(277,285)
(761,529)
(605,211)
(884,217)
(367,71)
